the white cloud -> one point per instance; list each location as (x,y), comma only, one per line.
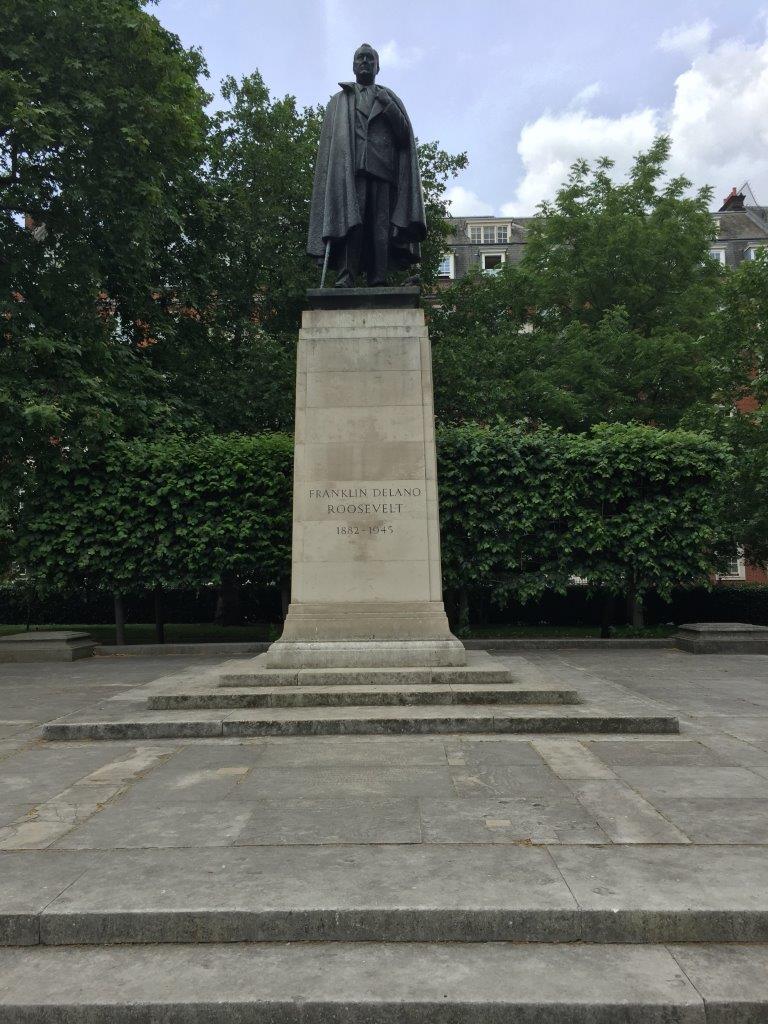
(551,144)
(686,38)
(716,121)
(718,118)
(392,55)
(589,92)
(465,203)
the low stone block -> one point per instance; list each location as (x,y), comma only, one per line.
(722,638)
(46,645)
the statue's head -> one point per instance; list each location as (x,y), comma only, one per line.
(365,64)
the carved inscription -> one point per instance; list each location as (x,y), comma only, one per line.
(364,501)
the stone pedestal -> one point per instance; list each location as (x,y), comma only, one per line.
(46,645)
(722,638)
(366,584)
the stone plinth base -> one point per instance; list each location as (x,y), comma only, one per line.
(722,638)
(366,588)
(366,654)
(53,645)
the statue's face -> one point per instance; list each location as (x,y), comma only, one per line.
(365,66)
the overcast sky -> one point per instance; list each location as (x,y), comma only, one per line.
(524,88)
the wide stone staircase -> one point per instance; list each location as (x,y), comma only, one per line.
(247,699)
(394,933)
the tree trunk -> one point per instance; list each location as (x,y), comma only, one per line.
(635,616)
(228,610)
(463,610)
(119,620)
(159,624)
(606,622)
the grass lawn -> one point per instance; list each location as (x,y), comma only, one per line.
(185,632)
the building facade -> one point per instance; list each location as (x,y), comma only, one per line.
(484,243)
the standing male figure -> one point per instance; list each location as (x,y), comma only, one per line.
(366,198)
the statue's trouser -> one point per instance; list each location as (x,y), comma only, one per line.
(366,587)
(366,247)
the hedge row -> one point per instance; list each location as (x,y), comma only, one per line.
(624,507)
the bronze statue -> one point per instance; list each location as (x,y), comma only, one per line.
(367,206)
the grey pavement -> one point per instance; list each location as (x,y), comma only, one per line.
(562,879)
(708,785)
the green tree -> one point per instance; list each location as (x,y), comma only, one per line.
(437,168)
(739,414)
(102,131)
(606,318)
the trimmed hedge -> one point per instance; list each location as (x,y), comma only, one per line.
(172,514)
(625,507)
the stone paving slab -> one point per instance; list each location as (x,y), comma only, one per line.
(627,753)
(370,752)
(624,815)
(357,781)
(509,819)
(386,984)
(732,980)
(680,781)
(28,884)
(715,894)
(719,820)
(333,821)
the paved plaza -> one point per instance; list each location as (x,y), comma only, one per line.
(636,859)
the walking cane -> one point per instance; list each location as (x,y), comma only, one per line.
(325,262)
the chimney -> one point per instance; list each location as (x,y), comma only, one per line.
(733,201)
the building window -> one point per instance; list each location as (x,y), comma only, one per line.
(492,261)
(502,234)
(446,267)
(751,251)
(489,234)
(736,568)
(475,233)
(719,255)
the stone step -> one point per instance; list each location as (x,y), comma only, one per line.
(360,696)
(390,893)
(486,673)
(331,983)
(353,721)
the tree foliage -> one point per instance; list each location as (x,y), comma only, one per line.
(520,512)
(605,319)
(170,514)
(620,507)
(101,135)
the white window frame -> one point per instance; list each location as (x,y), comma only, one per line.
(751,250)
(489,230)
(478,229)
(741,568)
(451,259)
(499,229)
(492,270)
(717,252)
